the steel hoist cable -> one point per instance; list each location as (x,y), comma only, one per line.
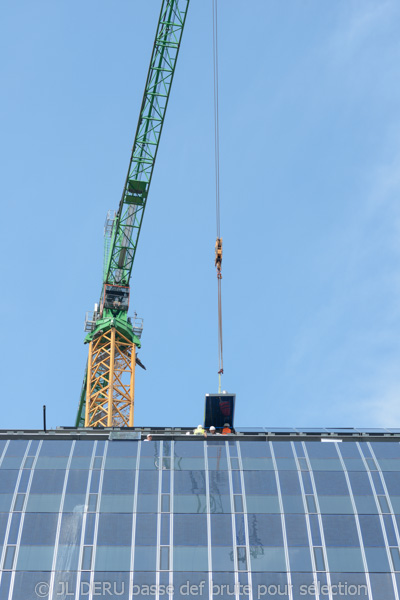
(218,243)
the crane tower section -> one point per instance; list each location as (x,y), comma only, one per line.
(107,396)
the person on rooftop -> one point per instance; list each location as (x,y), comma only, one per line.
(212,430)
(149,438)
(227,429)
(200,431)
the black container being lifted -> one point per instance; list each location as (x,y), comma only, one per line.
(219,409)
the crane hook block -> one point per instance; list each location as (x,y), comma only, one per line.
(218,253)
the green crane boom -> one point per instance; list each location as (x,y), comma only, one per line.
(121,248)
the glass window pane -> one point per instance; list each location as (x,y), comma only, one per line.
(189,482)
(307,485)
(395,554)
(35,558)
(5,502)
(360,483)
(265,530)
(219,482)
(89,529)
(321,450)
(267,559)
(164,558)
(240,530)
(117,558)
(190,530)
(119,482)
(221,530)
(383,504)
(14,528)
(319,559)
(47,481)
(77,482)
(146,530)
(190,558)
(67,559)
(220,503)
(290,483)
(222,559)
(366,505)
(165,503)
(255,449)
(17,448)
(43,503)
(311,506)
(315,531)
(115,529)
(148,482)
(71,527)
(238,503)
(112,503)
(300,558)
(377,560)
(335,505)
(303,464)
(340,530)
(19,502)
(185,503)
(386,449)
(332,483)
(147,503)
(23,482)
(254,484)
(55,448)
(87,558)
(8,480)
(263,504)
(83,448)
(193,448)
(257,464)
(28,462)
(296,530)
(92,506)
(94,482)
(129,448)
(98,462)
(9,558)
(390,532)
(242,559)
(39,529)
(51,462)
(328,464)
(293,504)
(165,527)
(371,530)
(381,585)
(74,503)
(345,560)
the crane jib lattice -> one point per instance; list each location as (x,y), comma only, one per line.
(154,104)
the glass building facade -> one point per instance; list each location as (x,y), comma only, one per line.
(254,515)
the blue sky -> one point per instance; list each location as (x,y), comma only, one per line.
(310,182)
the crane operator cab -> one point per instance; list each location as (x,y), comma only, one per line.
(115,297)
(219,409)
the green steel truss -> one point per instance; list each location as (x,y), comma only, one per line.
(131,209)
(120,250)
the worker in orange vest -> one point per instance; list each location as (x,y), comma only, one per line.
(226,429)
